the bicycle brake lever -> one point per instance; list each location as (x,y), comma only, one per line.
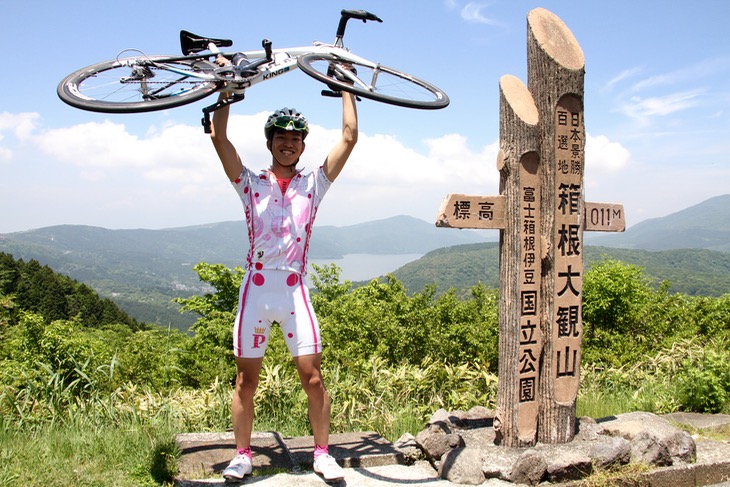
(205,121)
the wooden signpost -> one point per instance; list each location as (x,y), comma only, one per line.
(541,214)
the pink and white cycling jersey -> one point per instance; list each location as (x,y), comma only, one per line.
(280,225)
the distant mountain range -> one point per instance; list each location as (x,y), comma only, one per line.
(703,226)
(143,269)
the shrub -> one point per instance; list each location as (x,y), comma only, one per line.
(703,382)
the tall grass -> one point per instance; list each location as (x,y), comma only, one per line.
(80,455)
(689,375)
(53,435)
(68,428)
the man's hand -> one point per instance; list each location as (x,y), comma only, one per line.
(339,76)
(222,61)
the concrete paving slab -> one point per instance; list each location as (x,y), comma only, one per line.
(419,475)
(701,421)
(206,454)
(361,449)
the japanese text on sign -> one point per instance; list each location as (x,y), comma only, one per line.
(530,345)
(567,325)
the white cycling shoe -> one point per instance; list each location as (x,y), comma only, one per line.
(239,467)
(327,467)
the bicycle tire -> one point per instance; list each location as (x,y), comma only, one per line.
(112,87)
(391,86)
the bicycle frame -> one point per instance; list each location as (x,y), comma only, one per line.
(284,60)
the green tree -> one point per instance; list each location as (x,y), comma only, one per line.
(382,319)
(208,355)
(153,357)
(615,296)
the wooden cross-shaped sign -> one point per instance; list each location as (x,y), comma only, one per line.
(487,212)
(541,214)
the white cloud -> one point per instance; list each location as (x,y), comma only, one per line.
(604,156)
(643,109)
(622,76)
(170,175)
(472,12)
(383,160)
(5,154)
(173,152)
(172,168)
(386,178)
(20,125)
(693,73)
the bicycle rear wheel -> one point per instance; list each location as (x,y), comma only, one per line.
(141,84)
(381,83)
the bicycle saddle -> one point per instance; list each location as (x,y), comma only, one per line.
(191,43)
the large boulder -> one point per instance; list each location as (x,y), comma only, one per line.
(653,439)
(462,466)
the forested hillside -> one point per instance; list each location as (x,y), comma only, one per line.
(35,287)
(694,272)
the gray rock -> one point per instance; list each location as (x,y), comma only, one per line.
(499,460)
(646,448)
(455,441)
(440,416)
(654,440)
(567,465)
(476,417)
(408,446)
(434,441)
(529,468)
(462,466)
(588,430)
(610,451)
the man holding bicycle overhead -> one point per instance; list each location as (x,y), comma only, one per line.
(280,204)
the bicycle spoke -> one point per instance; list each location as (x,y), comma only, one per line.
(138,84)
(374,81)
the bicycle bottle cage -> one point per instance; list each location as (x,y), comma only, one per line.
(191,43)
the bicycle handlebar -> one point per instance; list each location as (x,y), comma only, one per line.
(354,14)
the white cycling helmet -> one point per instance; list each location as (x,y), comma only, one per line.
(286,119)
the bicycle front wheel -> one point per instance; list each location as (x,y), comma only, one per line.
(378,83)
(141,84)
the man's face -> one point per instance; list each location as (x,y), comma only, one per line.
(286,146)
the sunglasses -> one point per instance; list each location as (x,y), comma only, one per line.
(289,123)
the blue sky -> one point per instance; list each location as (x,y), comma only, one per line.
(657,108)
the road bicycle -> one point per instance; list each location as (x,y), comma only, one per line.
(143,83)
